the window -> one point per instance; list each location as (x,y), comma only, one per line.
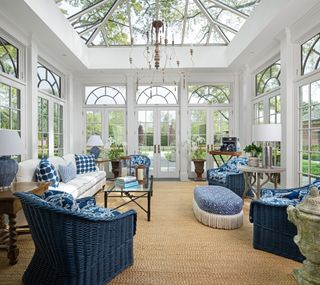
(221,126)
(310,55)
(50,113)
(209,94)
(58,129)
(93,123)
(309,132)
(48,81)
(105,95)
(274,110)
(43,128)
(116,126)
(268,79)
(155,95)
(259,113)
(9,58)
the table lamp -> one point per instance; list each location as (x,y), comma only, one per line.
(95,141)
(10,144)
(267,133)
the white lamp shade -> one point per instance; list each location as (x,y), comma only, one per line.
(95,140)
(10,143)
(266,133)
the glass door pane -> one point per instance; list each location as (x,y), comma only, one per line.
(116,128)
(146,135)
(168,146)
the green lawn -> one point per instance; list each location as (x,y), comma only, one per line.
(315,167)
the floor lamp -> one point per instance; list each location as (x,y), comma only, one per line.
(267,133)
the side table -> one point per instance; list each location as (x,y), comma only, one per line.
(219,153)
(253,181)
(10,205)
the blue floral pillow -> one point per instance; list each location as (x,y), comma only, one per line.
(61,199)
(46,172)
(98,212)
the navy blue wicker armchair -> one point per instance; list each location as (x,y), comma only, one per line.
(228,175)
(139,159)
(74,248)
(272,231)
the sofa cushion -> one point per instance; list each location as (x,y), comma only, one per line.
(67,172)
(70,158)
(46,172)
(79,185)
(26,171)
(56,161)
(85,163)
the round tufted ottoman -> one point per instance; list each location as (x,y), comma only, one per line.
(217,207)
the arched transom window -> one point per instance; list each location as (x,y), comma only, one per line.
(8,58)
(209,94)
(310,55)
(48,81)
(155,95)
(268,79)
(105,95)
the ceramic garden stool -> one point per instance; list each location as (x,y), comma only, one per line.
(217,207)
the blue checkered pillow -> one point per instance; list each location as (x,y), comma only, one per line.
(85,163)
(46,172)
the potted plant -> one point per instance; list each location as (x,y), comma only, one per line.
(114,151)
(198,154)
(254,151)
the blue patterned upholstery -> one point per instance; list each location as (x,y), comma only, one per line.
(76,247)
(228,175)
(217,200)
(85,163)
(272,231)
(46,172)
(139,159)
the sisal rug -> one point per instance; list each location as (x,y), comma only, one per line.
(174,248)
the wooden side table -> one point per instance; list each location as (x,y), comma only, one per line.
(253,181)
(219,153)
(10,205)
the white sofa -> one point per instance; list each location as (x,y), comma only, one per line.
(83,185)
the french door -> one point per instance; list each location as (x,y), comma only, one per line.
(210,123)
(158,139)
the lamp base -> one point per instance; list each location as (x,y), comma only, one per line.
(95,151)
(267,157)
(8,171)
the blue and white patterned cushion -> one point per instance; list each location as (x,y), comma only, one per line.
(46,172)
(275,201)
(140,159)
(85,163)
(231,165)
(67,172)
(98,212)
(217,200)
(61,199)
(218,176)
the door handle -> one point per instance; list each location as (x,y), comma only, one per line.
(158,148)
(154,149)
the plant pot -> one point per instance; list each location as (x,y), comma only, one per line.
(115,167)
(199,168)
(253,161)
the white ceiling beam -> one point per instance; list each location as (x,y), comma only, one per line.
(229,8)
(106,17)
(211,19)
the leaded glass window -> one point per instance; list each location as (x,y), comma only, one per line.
(268,79)
(43,127)
(10,107)
(9,58)
(48,81)
(309,132)
(58,129)
(209,94)
(105,95)
(157,95)
(310,55)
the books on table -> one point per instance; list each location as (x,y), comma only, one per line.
(126,182)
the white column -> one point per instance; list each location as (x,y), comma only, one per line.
(288,119)
(132,131)
(236,107)
(184,120)
(32,100)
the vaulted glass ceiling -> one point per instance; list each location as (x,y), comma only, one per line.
(186,22)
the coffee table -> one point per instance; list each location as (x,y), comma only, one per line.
(135,193)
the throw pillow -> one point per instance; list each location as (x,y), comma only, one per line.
(61,199)
(98,212)
(67,172)
(46,172)
(85,163)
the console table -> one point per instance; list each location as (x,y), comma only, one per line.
(253,178)
(219,153)
(10,205)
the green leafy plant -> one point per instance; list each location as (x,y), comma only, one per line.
(196,147)
(253,149)
(114,150)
